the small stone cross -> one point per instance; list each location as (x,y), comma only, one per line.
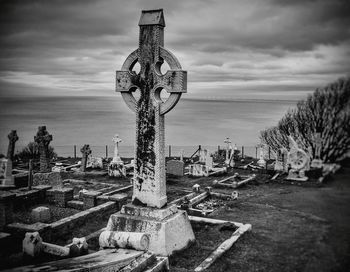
(13,138)
(43,139)
(86,151)
(116,140)
(149,171)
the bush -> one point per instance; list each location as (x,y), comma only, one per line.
(31,151)
(326,111)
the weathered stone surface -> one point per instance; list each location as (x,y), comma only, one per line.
(32,244)
(59,196)
(41,214)
(89,198)
(43,138)
(75,204)
(78,247)
(133,240)
(163,226)
(52,179)
(85,152)
(116,158)
(175,168)
(198,170)
(149,172)
(6,178)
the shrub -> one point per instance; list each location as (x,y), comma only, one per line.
(31,151)
(326,111)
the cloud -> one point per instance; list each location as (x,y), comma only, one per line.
(226,46)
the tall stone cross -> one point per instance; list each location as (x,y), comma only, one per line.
(13,138)
(85,151)
(116,140)
(43,138)
(149,171)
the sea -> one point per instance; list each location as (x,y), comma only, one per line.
(78,120)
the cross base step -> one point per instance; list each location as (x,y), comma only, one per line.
(169,229)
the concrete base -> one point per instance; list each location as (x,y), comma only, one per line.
(169,228)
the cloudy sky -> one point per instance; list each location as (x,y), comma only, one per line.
(266,49)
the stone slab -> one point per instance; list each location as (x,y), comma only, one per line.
(76,204)
(176,168)
(103,260)
(149,212)
(41,214)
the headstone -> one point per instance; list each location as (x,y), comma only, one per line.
(116,140)
(202,155)
(94,162)
(261,162)
(6,177)
(169,228)
(43,139)
(299,162)
(198,170)
(228,143)
(85,152)
(209,161)
(182,155)
(175,167)
(41,214)
(116,168)
(32,244)
(196,188)
(279,161)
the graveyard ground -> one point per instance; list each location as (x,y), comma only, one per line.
(295,226)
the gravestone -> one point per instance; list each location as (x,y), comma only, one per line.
(43,139)
(6,177)
(116,168)
(85,152)
(168,227)
(298,160)
(261,162)
(116,140)
(317,161)
(227,142)
(175,167)
(279,161)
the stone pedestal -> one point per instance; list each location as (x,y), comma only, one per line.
(169,228)
(41,214)
(90,199)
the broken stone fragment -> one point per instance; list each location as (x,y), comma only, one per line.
(132,240)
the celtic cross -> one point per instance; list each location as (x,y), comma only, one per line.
(149,171)
(43,139)
(85,151)
(13,138)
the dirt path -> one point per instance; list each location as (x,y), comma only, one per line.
(295,228)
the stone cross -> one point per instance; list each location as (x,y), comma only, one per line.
(116,140)
(86,151)
(13,138)
(227,142)
(149,171)
(43,139)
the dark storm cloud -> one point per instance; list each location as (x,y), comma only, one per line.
(77,45)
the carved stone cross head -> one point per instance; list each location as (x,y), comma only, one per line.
(151,54)
(42,136)
(116,140)
(13,138)
(85,150)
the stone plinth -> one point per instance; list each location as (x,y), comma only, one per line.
(175,168)
(169,228)
(41,214)
(6,208)
(89,199)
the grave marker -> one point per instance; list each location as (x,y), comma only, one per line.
(168,227)
(43,138)
(85,151)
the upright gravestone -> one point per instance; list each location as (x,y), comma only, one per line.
(116,167)
(85,152)
(227,142)
(116,140)
(43,139)
(168,227)
(6,178)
